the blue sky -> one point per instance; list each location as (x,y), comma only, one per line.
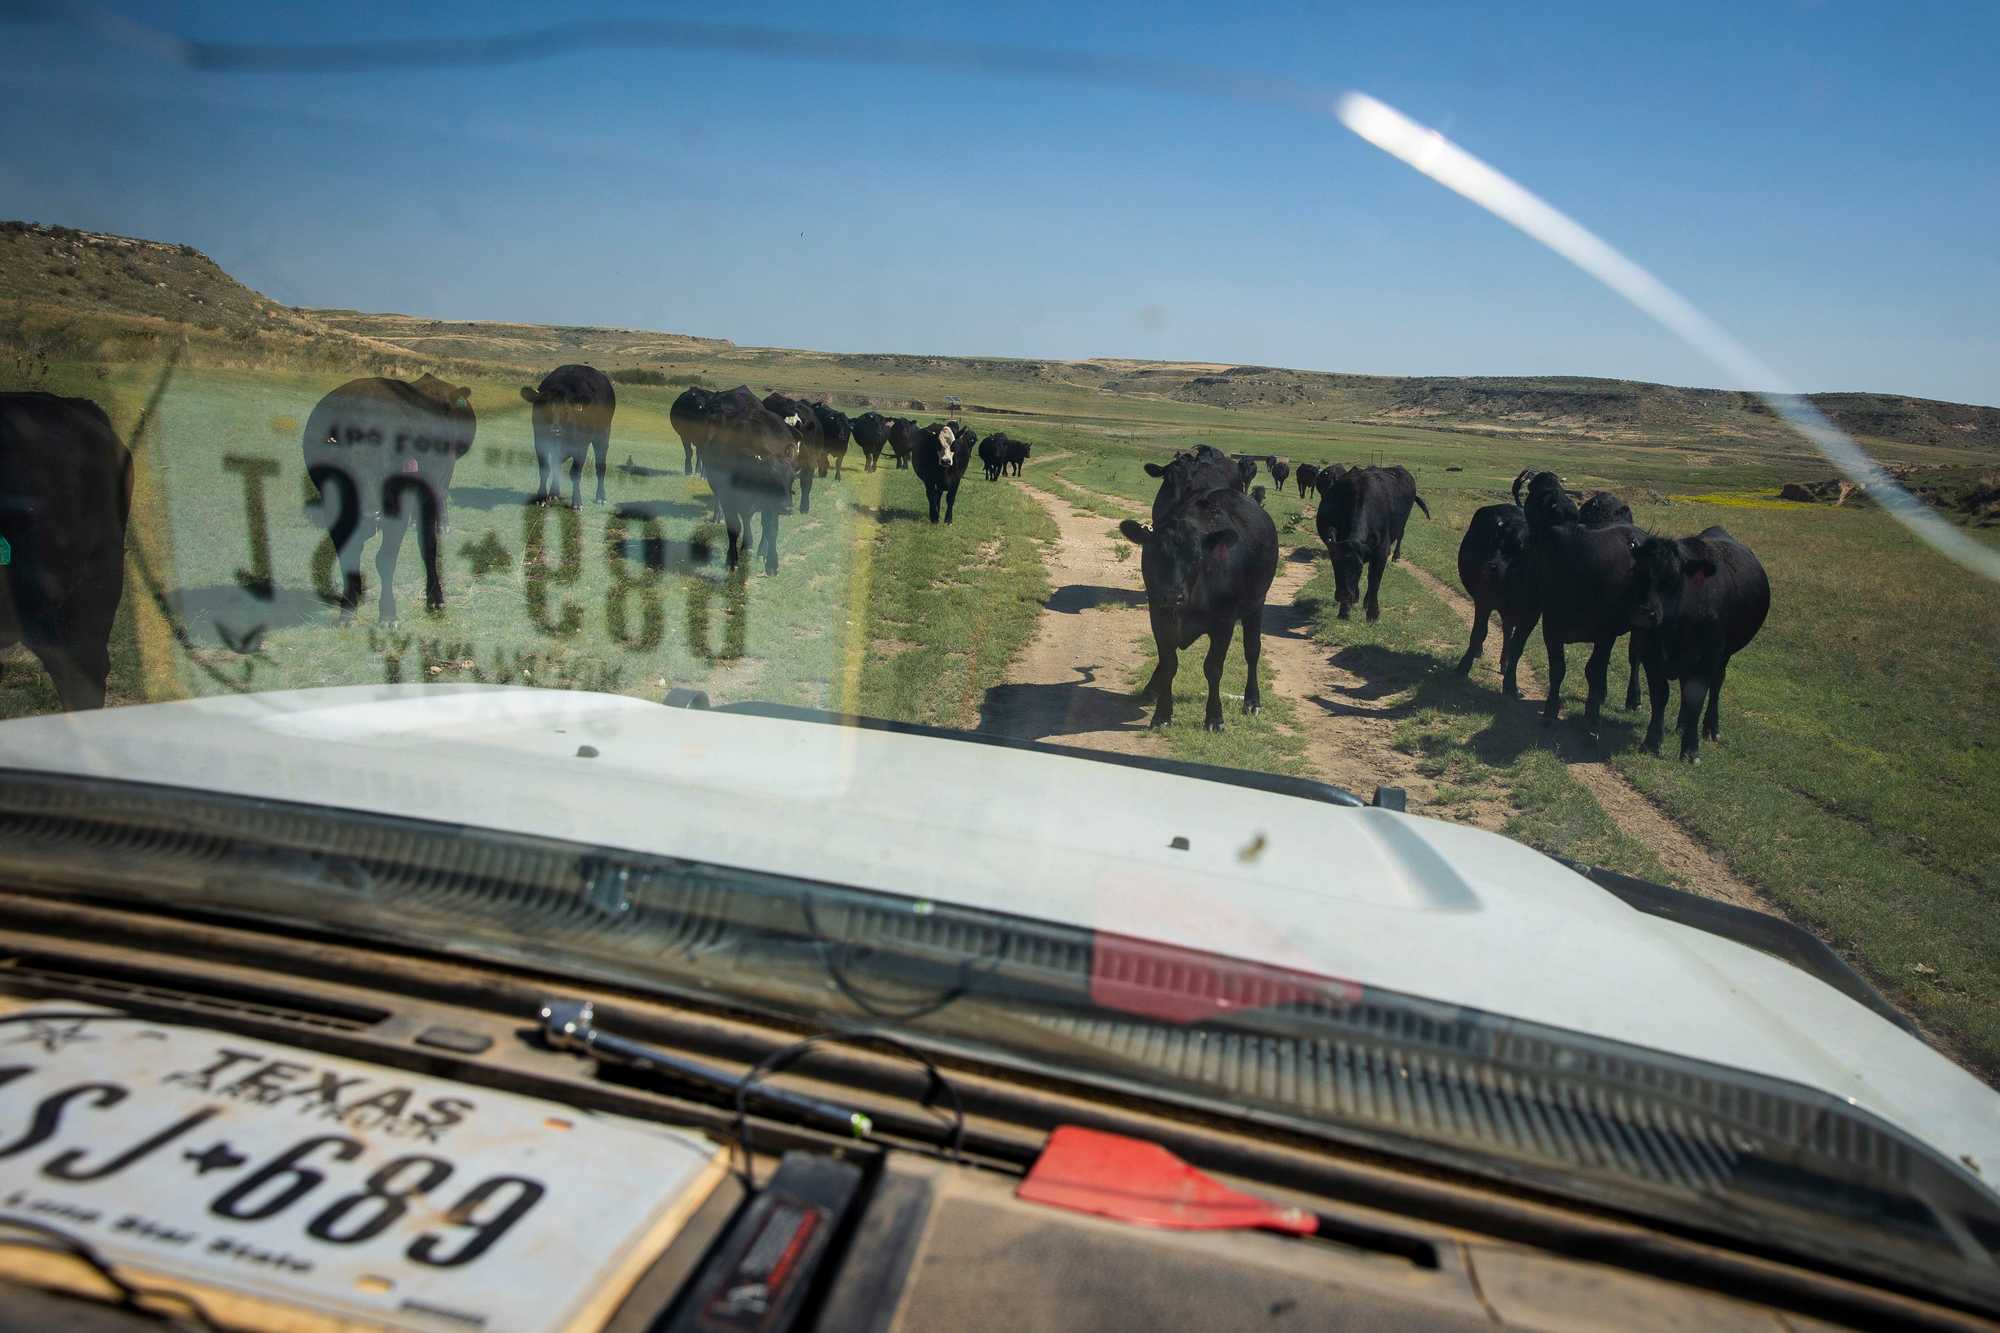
(1818,177)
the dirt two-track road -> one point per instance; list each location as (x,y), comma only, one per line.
(1074,686)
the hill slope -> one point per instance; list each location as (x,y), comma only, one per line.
(152,285)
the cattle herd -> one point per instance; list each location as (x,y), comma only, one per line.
(380,454)
(1583,571)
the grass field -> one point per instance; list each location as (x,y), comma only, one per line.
(1855,789)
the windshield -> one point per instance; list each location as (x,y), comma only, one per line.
(1568,426)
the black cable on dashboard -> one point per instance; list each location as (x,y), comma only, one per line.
(130,1296)
(878,1007)
(785,1056)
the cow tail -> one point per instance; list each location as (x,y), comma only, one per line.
(1421,505)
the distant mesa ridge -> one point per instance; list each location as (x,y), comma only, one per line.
(111,293)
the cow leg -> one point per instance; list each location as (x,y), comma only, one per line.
(1694,694)
(429,523)
(576,465)
(394,525)
(1656,691)
(805,490)
(1596,673)
(599,447)
(1513,643)
(1711,723)
(931,494)
(687,459)
(1481,613)
(1211,667)
(1253,646)
(770,546)
(1635,654)
(1558,668)
(950,500)
(1160,686)
(1372,603)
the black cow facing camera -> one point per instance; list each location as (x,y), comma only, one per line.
(1208,565)
(1695,602)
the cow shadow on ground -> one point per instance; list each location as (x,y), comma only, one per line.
(487,497)
(661,509)
(235,617)
(892,513)
(1514,725)
(1302,555)
(1074,597)
(628,468)
(1066,708)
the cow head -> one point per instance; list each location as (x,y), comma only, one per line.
(946,439)
(1508,545)
(559,412)
(1664,573)
(1548,504)
(1176,557)
(1603,509)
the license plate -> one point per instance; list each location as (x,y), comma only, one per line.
(353,1189)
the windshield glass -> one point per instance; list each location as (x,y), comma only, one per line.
(1571,425)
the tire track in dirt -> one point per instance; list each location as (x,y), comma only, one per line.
(1070,685)
(1635,813)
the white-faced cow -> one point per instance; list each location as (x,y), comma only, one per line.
(1362,514)
(1208,562)
(871,432)
(750,455)
(380,454)
(798,414)
(571,415)
(940,461)
(65,493)
(1695,603)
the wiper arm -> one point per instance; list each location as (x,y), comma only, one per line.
(571,1025)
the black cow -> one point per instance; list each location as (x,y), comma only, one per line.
(751,454)
(1246,472)
(374,448)
(902,439)
(1493,543)
(1193,472)
(690,416)
(1579,580)
(1308,477)
(940,462)
(1695,603)
(1208,565)
(967,439)
(1603,509)
(1546,504)
(1017,454)
(1362,514)
(993,454)
(65,493)
(871,432)
(835,430)
(798,414)
(572,417)
(1279,473)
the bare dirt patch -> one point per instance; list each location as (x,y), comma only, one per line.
(1070,686)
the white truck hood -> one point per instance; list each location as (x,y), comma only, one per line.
(1438,910)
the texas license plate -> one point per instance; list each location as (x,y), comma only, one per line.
(353,1189)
